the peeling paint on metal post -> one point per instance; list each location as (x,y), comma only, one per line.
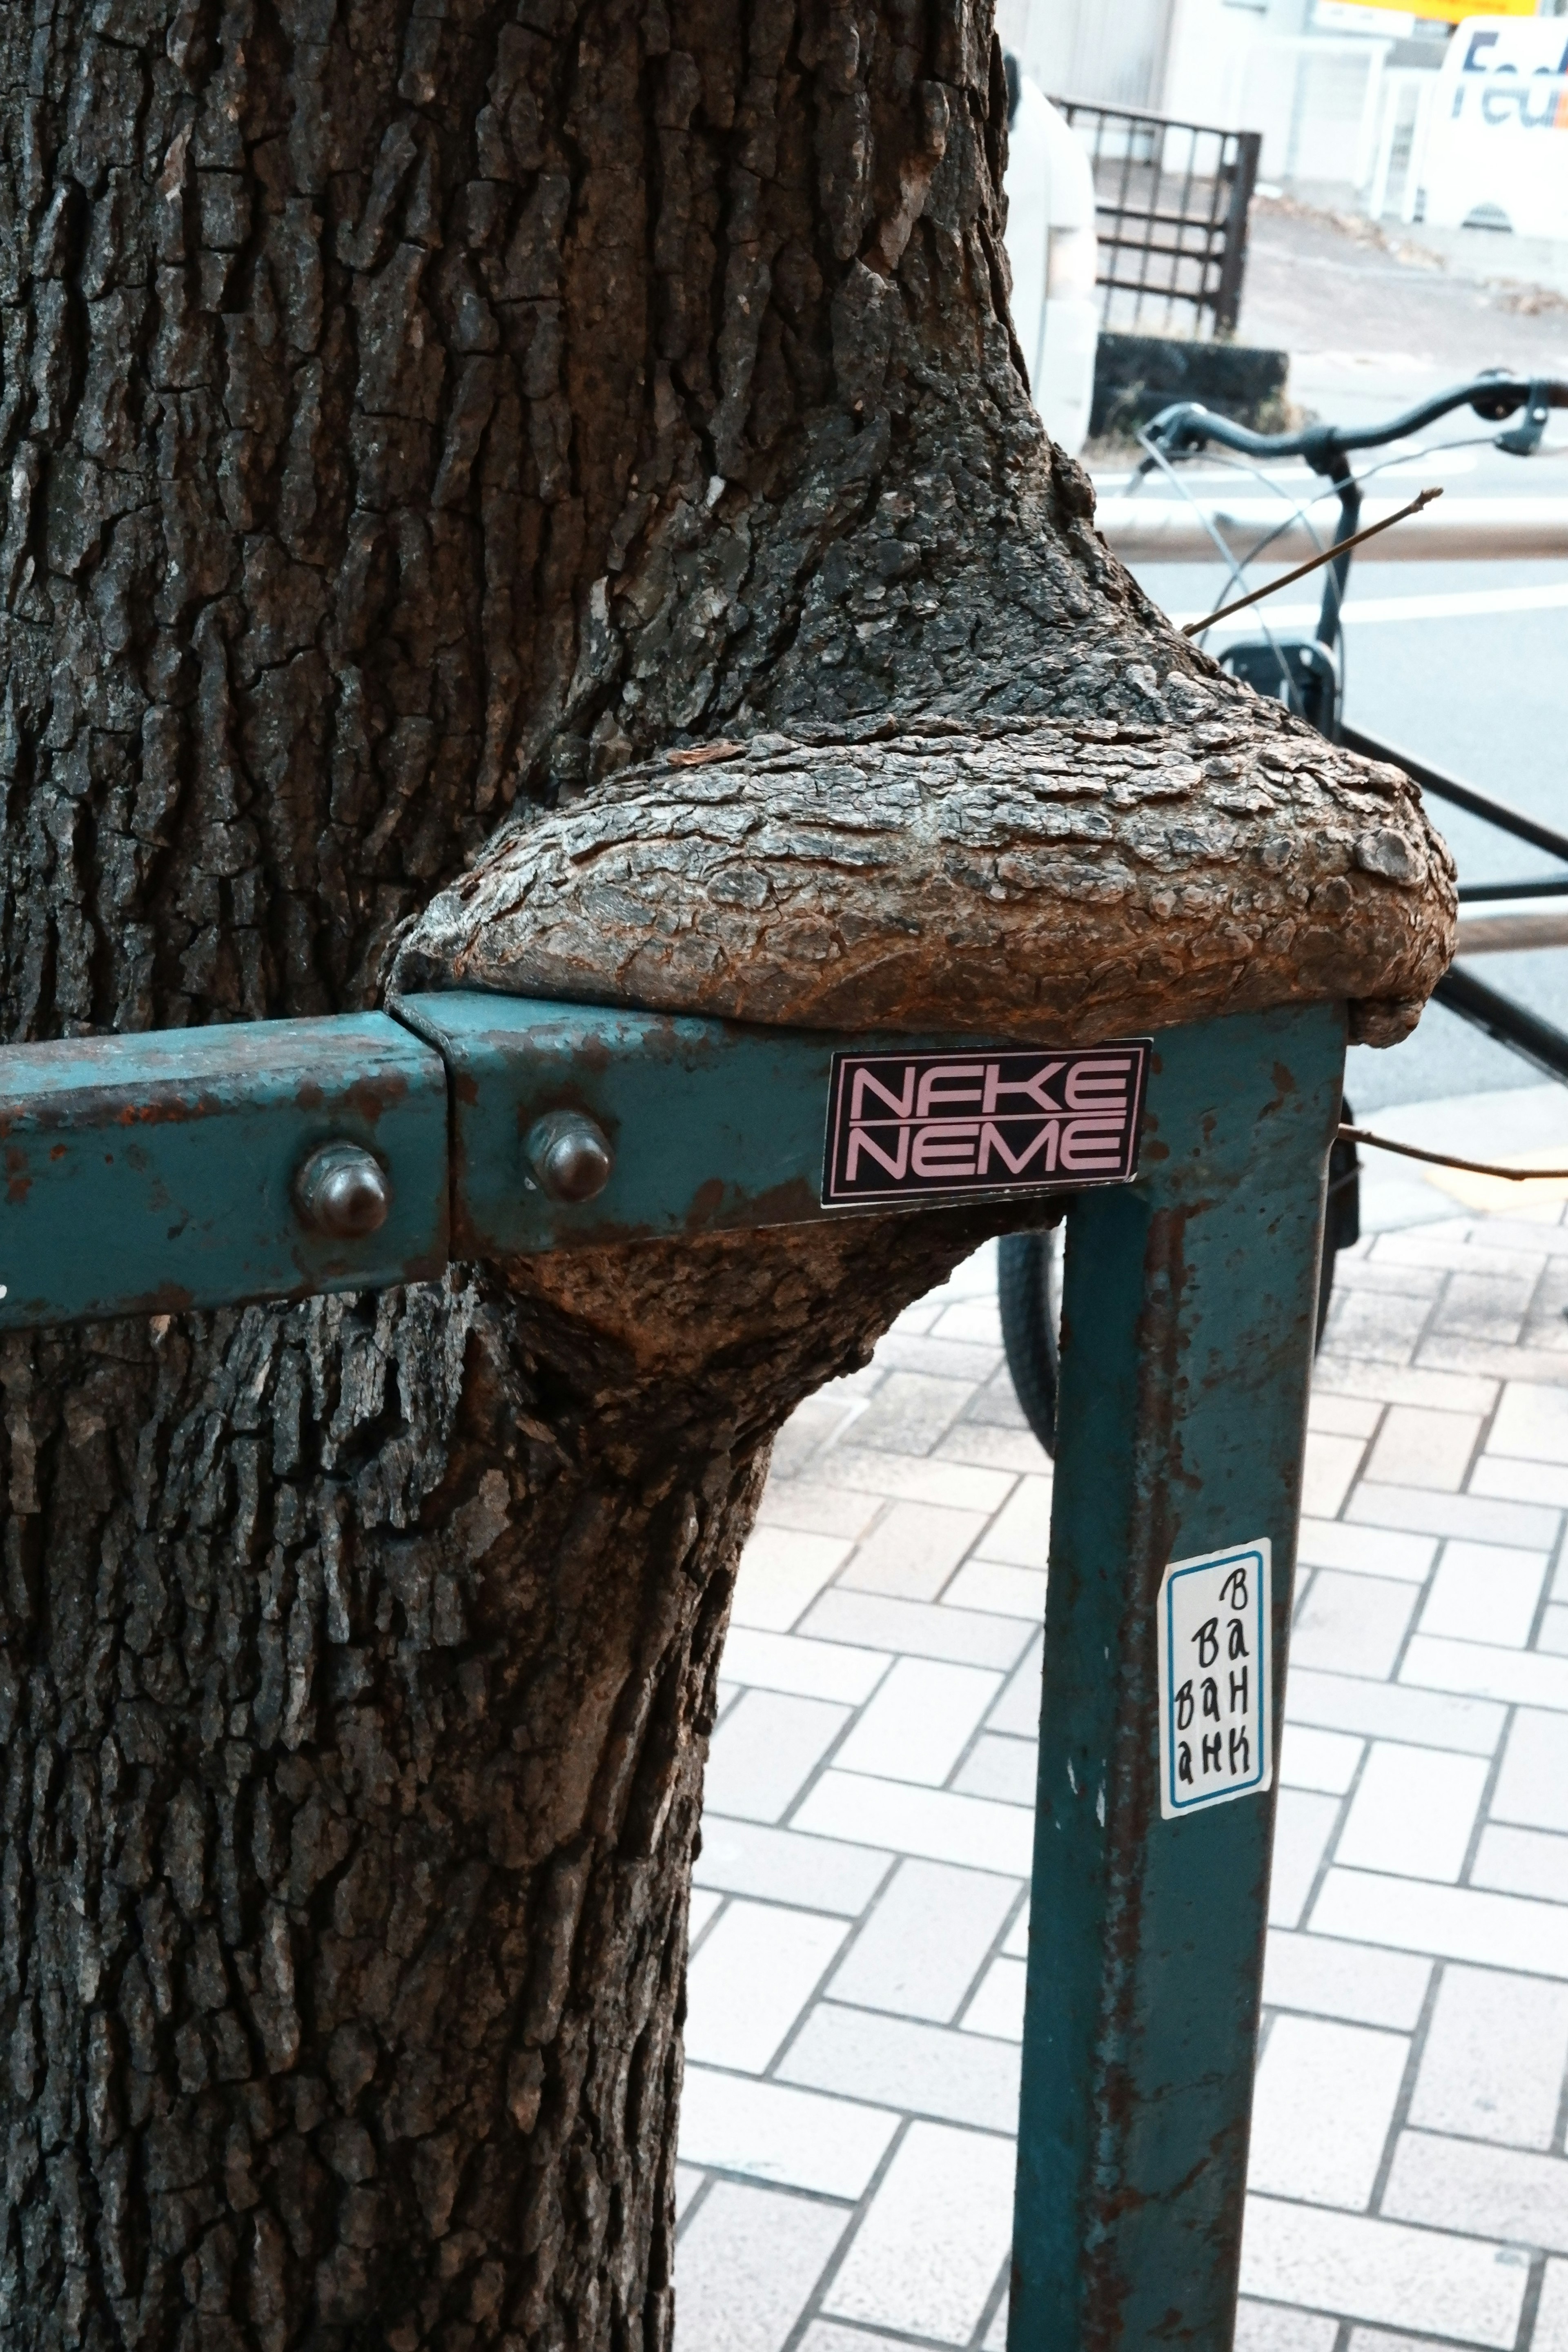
(1188,1345)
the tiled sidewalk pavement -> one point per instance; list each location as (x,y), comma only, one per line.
(859,1931)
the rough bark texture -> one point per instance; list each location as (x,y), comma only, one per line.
(409,414)
(1072,882)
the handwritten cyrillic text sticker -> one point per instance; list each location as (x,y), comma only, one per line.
(1215,1725)
(914,1128)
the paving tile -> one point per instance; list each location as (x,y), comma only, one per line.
(1337,1375)
(1496,2192)
(1532,1780)
(1520,1482)
(926,2257)
(1484,1593)
(1019,1708)
(1478,1517)
(1413,1812)
(813,1508)
(919,1316)
(920,1720)
(1423,1246)
(1366,1551)
(1353,1271)
(910,1477)
(1303,1825)
(996,1404)
(1522,1862)
(913,1550)
(811,1427)
(987,1445)
(757,1968)
(1379,2270)
(1384,1326)
(812,1874)
(728,1694)
(977,1320)
(1516,1677)
(1355,1981)
(766,1749)
(1418,1447)
(997,2334)
(1549,2333)
(1485,1356)
(1423,1718)
(1492,2064)
(1485,1306)
(1343,1416)
(1021,1531)
(924,1944)
(831,2336)
(1318,1760)
(1269,2327)
(1536,1237)
(1383,2339)
(874,1621)
(817,1669)
(901,2062)
(1352,1624)
(919,1978)
(910,1411)
(974,1276)
(747,2263)
(705,1902)
(1322,2110)
(771,2131)
(1552,1636)
(1328,1467)
(688,2181)
(969,1831)
(781,1572)
(993,1585)
(1455,1923)
(997,2009)
(1531,1420)
(995,1767)
(946,1359)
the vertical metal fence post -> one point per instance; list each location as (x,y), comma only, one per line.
(1188,1326)
(1233,265)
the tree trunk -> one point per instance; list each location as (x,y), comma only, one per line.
(410,418)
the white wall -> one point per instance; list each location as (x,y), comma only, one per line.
(1110,50)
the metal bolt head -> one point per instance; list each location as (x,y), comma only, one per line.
(343,1190)
(569,1156)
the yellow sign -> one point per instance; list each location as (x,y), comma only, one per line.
(1454,12)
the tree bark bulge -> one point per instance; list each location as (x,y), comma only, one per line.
(411,416)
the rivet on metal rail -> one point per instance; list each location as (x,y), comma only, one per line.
(570,1155)
(344,1191)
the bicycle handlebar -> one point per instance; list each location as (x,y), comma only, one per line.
(1188,425)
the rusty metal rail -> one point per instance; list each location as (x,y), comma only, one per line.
(278,1160)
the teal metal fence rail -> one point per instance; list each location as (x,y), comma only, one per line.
(278,1160)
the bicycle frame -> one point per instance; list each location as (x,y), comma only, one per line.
(1188,428)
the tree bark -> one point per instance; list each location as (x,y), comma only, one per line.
(410,419)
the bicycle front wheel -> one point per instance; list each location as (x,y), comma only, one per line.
(1029,1293)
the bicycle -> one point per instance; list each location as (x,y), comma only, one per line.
(1307,675)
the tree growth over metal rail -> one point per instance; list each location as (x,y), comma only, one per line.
(415,427)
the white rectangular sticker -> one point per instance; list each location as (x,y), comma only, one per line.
(1216,1733)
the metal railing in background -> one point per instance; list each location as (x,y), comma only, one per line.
(1172,201)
